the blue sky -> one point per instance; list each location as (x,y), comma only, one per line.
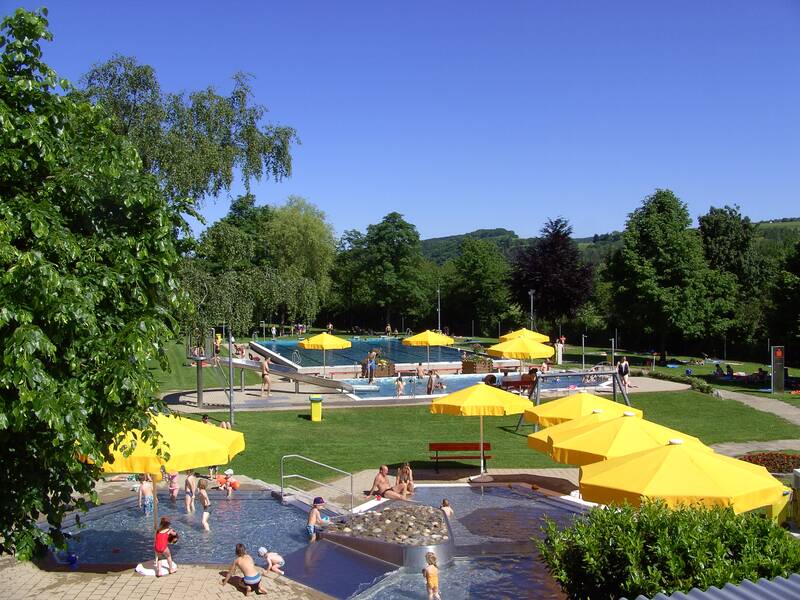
(465,115)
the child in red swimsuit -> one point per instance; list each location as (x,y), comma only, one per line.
(164,535)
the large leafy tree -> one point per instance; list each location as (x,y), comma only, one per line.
(660,282)
(196,143)
(784,309)
(86,291)
(392,265)
(478,288)
(553,268)
(729,246)
(299,237)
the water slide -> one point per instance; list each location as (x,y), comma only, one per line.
(284,368)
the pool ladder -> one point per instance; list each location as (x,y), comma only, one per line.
(297,491)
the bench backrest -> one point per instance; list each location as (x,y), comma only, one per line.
(456,446)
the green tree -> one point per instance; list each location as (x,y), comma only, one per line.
(392,265)
(660,282)
(553,268)
(226,247)
(194,144)
(86,256)
(729,246)
(784,309)
(298,237)
(479,287)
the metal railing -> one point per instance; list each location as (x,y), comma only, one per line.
(284,476)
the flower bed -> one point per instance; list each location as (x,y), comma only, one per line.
(774,462)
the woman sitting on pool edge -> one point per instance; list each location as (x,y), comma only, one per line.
(405,478)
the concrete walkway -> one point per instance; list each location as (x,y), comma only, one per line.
(739,448)
(767,405)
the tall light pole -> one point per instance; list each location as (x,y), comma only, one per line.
(583,352)
(439,308)
(264,329)
(230,374)
(530,293)
(612,351)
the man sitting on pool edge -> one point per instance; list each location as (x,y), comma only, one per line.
(382,487)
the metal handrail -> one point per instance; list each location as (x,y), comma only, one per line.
(322,483)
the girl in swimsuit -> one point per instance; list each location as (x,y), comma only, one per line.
(431,575)
(173,485)
(405,478)
(205,503)
(161,545)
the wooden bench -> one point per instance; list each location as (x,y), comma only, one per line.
(435,448)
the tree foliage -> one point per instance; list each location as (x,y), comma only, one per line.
(196,143)
(478,289)
(661,283)
(86,255)
(552,267)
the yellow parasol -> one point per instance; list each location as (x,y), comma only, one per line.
(521,348)
(188,443)
(429,338)
(324,341)
(478,401)
(574,406)
(541,440)
(680,474)
(526,333)
(613,438)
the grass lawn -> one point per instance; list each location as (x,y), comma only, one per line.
(183,374)
(363,438)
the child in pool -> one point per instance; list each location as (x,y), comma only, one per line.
(447,509)
(431,575)
(315,520)
(273,559)
(189,489)
(205,502)
(145,494)
(164,535)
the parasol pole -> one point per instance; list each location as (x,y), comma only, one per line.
(429,358)
(323,363)
(483,469)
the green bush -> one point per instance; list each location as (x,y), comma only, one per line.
(696,383)
(610,553)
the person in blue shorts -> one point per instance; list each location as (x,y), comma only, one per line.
(315,519)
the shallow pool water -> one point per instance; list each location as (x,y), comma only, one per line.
(124,535)
(507,577)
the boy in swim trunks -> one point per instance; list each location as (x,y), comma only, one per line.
(205,502)
(251,578)
(189,488)
(273,559)
(314,519)
(146,494)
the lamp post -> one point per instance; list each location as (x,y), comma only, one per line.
(612,351)
(583,351)
(530,293)
(230,374)
(439,308)
(263,329)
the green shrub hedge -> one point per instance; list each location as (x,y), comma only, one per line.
(616,552)
(696,383)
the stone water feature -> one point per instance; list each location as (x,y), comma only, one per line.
(400,533)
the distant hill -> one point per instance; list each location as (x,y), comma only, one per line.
(442,249)
(771,236)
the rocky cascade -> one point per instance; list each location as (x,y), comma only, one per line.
(404,523)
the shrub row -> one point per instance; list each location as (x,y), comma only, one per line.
(616,552)
(696,383)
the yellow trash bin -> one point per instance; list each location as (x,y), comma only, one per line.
(316,407)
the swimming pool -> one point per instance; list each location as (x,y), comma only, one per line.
(492,530)
(417,386)
(121,534)
(390,348)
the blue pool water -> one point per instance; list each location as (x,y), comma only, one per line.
(492,530)
(390,348)
(504,577)
(121,534)
(417,386)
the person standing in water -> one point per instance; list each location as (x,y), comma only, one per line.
(205,502)
(431,575)
(189,489)
(145,494)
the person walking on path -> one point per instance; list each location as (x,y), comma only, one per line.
(624,372)
(265,383)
